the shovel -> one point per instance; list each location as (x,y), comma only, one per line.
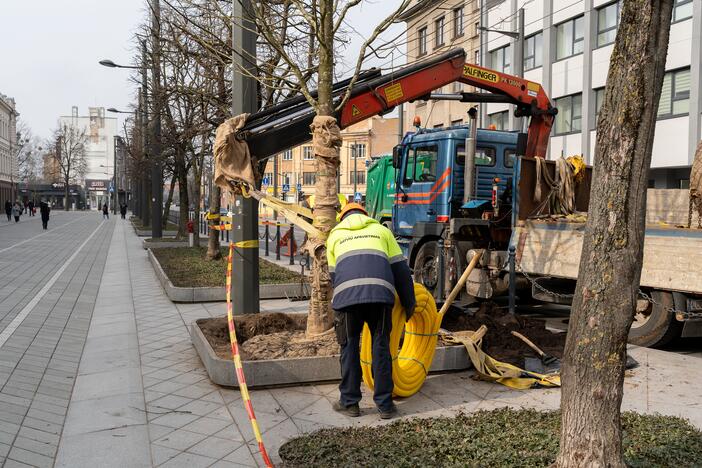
(550,363)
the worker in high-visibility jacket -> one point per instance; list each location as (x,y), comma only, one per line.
(367,269)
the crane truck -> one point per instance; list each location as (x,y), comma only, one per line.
(460,189)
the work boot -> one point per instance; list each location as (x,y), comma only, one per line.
(352,410)
(388,413)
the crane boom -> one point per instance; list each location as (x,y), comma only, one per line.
(287,124)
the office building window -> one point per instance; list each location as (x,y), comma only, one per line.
(675,94)
(287,155)
(360,177)
(457,87)
(456,123)
(533,51)
(422,40)
(307,153)
(570,38)
(599,99)
(477,28)
(458,27)
(358,150)
(499,119)
(570,113)
(500,59)
(287,177)
(607,22)
(682,10)
(439,32)
(309,178)
(269,177)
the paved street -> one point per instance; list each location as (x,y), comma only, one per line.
(97,368)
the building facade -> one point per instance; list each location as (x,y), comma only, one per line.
(361,142)
(433,29)
(9,170)
(100,153)
(567,49)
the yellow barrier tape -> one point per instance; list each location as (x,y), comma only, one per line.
(247,244)
(212,216)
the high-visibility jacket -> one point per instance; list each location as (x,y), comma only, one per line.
(367,265)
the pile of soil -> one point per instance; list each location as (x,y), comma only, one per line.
(267,336)
(498,342)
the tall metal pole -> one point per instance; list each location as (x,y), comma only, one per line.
(156,169)
(354,155)
(245,273)
(519,60)
(275,182)
(144,199)
(114,176)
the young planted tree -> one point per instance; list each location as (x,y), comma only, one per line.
(610,264)
(320,22)
(70,155)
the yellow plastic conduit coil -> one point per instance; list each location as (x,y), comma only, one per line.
(411,363)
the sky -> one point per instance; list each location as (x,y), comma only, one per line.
(50,51)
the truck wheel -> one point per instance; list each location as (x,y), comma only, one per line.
(426,266)
(656,326)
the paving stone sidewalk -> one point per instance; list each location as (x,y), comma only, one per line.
(143,398)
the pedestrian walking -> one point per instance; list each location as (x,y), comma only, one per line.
(123,210)
(8,210)
(31,207)
(105,212)
(44,210)
(367,269)
(17,211)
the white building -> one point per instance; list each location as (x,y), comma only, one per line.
(100,153)
(9,172)
(567,49)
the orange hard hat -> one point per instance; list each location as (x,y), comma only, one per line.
(351,207)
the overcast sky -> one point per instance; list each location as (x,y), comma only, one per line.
(49,51)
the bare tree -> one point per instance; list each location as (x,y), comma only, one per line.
(29,158)
(320,23)
(610,264)
(70,154)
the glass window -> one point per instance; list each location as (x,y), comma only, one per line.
(675,93)
(360,177)
(287,155)
(500,59)
(458,27)
(421,166)
(307,153)
(510,156)
(682,10)
(499,119)
(439,32)
(483,156)
(456,123)
(599,99)
(358,150)
(569,38)
(309,178)
(422,39)
(569,117)
(607,21)
(533,51)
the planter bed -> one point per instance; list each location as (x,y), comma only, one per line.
(218,294)
(166,243)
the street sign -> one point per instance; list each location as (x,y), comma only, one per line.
(358,197)
(298,187)
(265,182)
(286,188)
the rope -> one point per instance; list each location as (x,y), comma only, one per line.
(561,195)
(236,357)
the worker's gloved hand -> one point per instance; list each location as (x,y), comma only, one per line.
(409,313)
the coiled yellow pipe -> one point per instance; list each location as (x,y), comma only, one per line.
(411,363)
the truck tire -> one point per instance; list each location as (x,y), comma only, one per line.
(657,326)
(425,266)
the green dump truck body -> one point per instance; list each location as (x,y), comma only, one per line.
(380,188)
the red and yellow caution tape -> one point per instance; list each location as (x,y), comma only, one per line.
(236,357)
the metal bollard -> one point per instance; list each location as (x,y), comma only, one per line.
(512,280)
(291,243)
(227,231)
(277,240)
(440,273)
(266,234)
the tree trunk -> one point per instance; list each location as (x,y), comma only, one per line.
(66,180)
(610,264)
(183,200)
(169,201)
(213,251)
(326,140)
(196,208)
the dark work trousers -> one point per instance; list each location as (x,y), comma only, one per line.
(348,323)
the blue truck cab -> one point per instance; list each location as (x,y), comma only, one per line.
(429,203)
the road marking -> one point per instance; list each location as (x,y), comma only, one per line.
(39,235)
(10,329)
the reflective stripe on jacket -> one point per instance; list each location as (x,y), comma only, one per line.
(367,265)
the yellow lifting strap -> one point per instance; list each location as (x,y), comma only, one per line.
(291,211)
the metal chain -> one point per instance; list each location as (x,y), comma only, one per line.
(683,315)
(537,285)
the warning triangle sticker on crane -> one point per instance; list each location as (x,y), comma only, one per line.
(354,110)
